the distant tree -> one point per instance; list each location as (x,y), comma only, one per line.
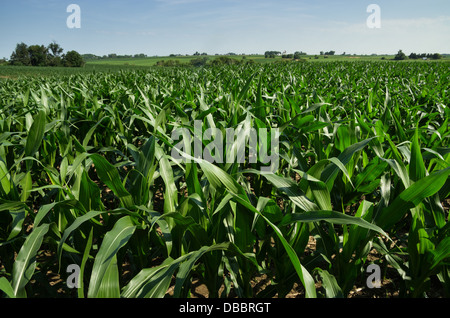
(168,63)
(54,54)
(38,55)
(321,52)
(436,56)
(298,55)
(73,59)
(201,61)
(224,60)
(90,57)
(20,56)
(55,49)
(271,54)
(400,56)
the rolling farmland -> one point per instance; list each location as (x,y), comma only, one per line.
(88,180)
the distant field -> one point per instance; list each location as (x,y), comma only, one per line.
(120,64)
(150,61)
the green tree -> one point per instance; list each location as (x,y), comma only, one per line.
(20,56)
(73,59)
(224,60)
(400,56)
(55,49)
(436,56)
(200,61)
(38,55)
(298,55)
(54,54)
(271,54)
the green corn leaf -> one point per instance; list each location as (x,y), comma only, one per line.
(330,217)
(171,191)
(289,187)
(78,221)
(441,252)
(87,250)
(89,192)
(330,172)
(417,168)
(45,209)
(186,266)
(27,185)
(35,134)
(112,242)
(110,287)
(18,217)
(25,263)
(110,176)
(411,197)
(152,282)
(5,179)
(6,287)
(330,284)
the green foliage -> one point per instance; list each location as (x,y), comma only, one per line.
(168,63)
(21,55)
(39,55)
(271,54)
(87,178)
(72,59)
(400,56)
(198,62)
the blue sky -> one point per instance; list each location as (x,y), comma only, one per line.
(163,27)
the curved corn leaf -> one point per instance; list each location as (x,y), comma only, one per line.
(112,242)
(110,176)
(35,134)
(25,262)
(330,284)
(411,197)
(6,287)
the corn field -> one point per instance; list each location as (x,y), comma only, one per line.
(88,180)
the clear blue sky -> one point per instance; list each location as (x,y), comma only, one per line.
(162,27)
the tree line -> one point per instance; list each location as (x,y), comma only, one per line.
(414,56)
(204,61)
(272,54)
(40,55)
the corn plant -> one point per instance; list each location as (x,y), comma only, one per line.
(88,177)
